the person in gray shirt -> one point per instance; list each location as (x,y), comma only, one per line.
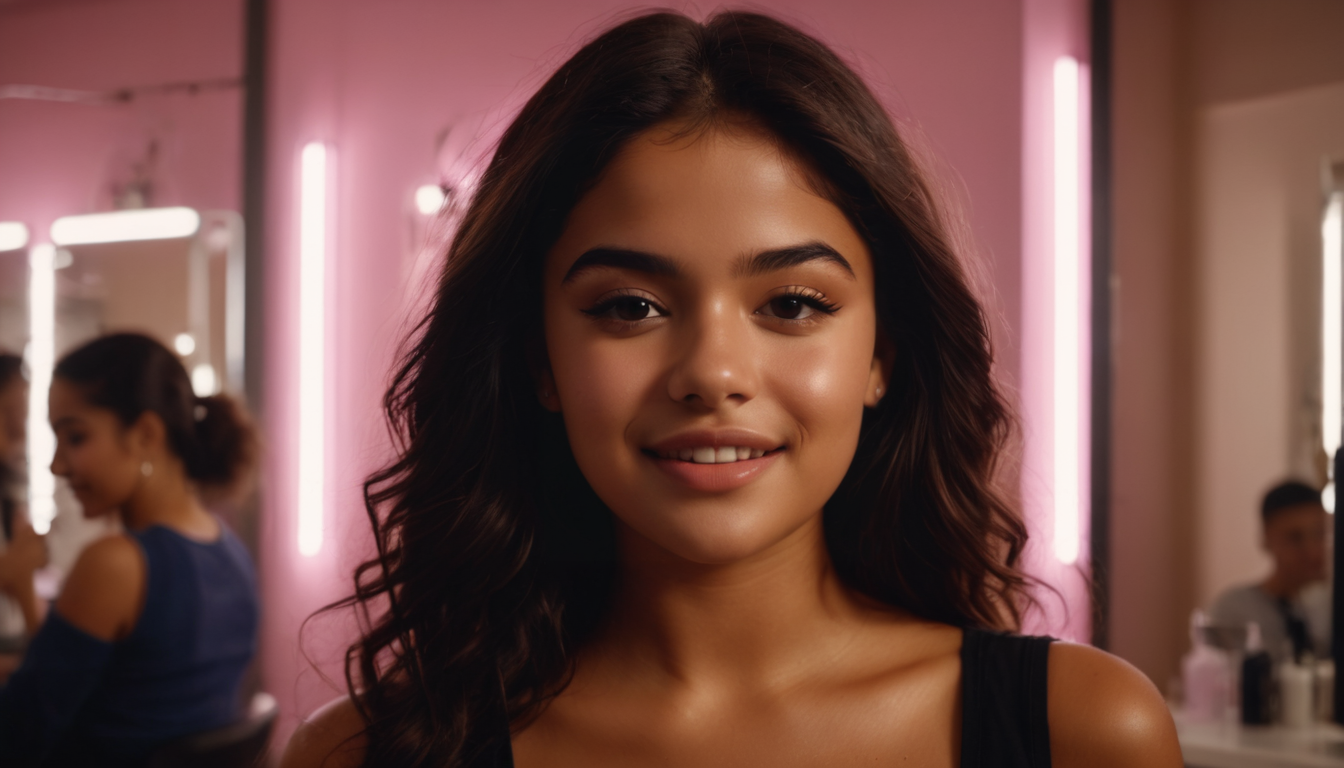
(1292,605)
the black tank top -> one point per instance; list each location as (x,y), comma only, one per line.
(1004,721)
(1003,709)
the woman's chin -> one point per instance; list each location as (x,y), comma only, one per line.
(718,543)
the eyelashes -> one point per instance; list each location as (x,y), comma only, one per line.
(795,304)
(626,308)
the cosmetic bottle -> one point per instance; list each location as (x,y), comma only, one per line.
(1207,674)
(1297,693)
(1257,680)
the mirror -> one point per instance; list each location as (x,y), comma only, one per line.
(175,274)
(184,291)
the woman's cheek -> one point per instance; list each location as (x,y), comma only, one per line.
(823,385)
(601,387)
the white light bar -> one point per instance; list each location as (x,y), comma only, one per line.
(41,359)
(124,226)
(13,235)
(1068,396)
(312,342)
(1332,318)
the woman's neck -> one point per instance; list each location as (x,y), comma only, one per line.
(167,498)
(761,621)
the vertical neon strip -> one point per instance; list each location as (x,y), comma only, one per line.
(1068,454)
(41,359)
(1332,318)
(312,343)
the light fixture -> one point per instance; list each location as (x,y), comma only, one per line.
(41,358)
(1332,317)
(13,235)
(429,199)
(124,226)
(1068,316)
(184,343)
(204,382)
(312,343)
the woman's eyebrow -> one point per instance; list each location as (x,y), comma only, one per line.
(792,256)
(622,258)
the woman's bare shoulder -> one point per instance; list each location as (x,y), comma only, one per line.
(331,737)
(1104,713)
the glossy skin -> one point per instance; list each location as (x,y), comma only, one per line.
(103,461)
(732,641)
(1296,538)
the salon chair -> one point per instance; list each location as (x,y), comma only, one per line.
(239,745)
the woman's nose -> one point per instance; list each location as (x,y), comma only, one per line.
(58,466)
(717,361)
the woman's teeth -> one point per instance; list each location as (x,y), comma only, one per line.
(724,455)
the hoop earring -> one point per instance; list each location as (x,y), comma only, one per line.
(146,469)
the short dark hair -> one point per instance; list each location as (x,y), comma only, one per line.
(1289,493)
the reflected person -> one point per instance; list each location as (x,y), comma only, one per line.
(1292,604)
(13,449)
(153,629)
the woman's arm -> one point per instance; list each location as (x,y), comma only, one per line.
(331,737)
(105,591)
(99,604)
(1104,713)
(25,554)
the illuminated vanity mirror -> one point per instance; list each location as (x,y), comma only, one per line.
(172,273)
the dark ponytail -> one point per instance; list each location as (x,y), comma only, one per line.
(129,374)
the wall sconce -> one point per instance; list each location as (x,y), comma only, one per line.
(13,235)
(1069,398)
(429,199)
(41,359)
(126,226)
(1332,335)
(312,347)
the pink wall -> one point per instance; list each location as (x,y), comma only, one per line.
(58,159)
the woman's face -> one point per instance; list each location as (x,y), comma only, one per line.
(711,340)
(95,452)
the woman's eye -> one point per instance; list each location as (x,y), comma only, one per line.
(789,308)
(628,309)
(797,306)
(633,308)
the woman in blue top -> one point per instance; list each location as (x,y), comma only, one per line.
(153,630)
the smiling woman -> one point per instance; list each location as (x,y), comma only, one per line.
(699,446)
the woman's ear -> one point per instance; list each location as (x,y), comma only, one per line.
(147,435)
(540,367)
(879,373)
(546,393)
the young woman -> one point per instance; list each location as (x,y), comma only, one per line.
(698,453)
(154,629)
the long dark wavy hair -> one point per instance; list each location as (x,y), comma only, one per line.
(495,558)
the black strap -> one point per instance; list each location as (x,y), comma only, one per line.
(1004,719)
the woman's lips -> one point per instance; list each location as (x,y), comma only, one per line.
(715,478)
